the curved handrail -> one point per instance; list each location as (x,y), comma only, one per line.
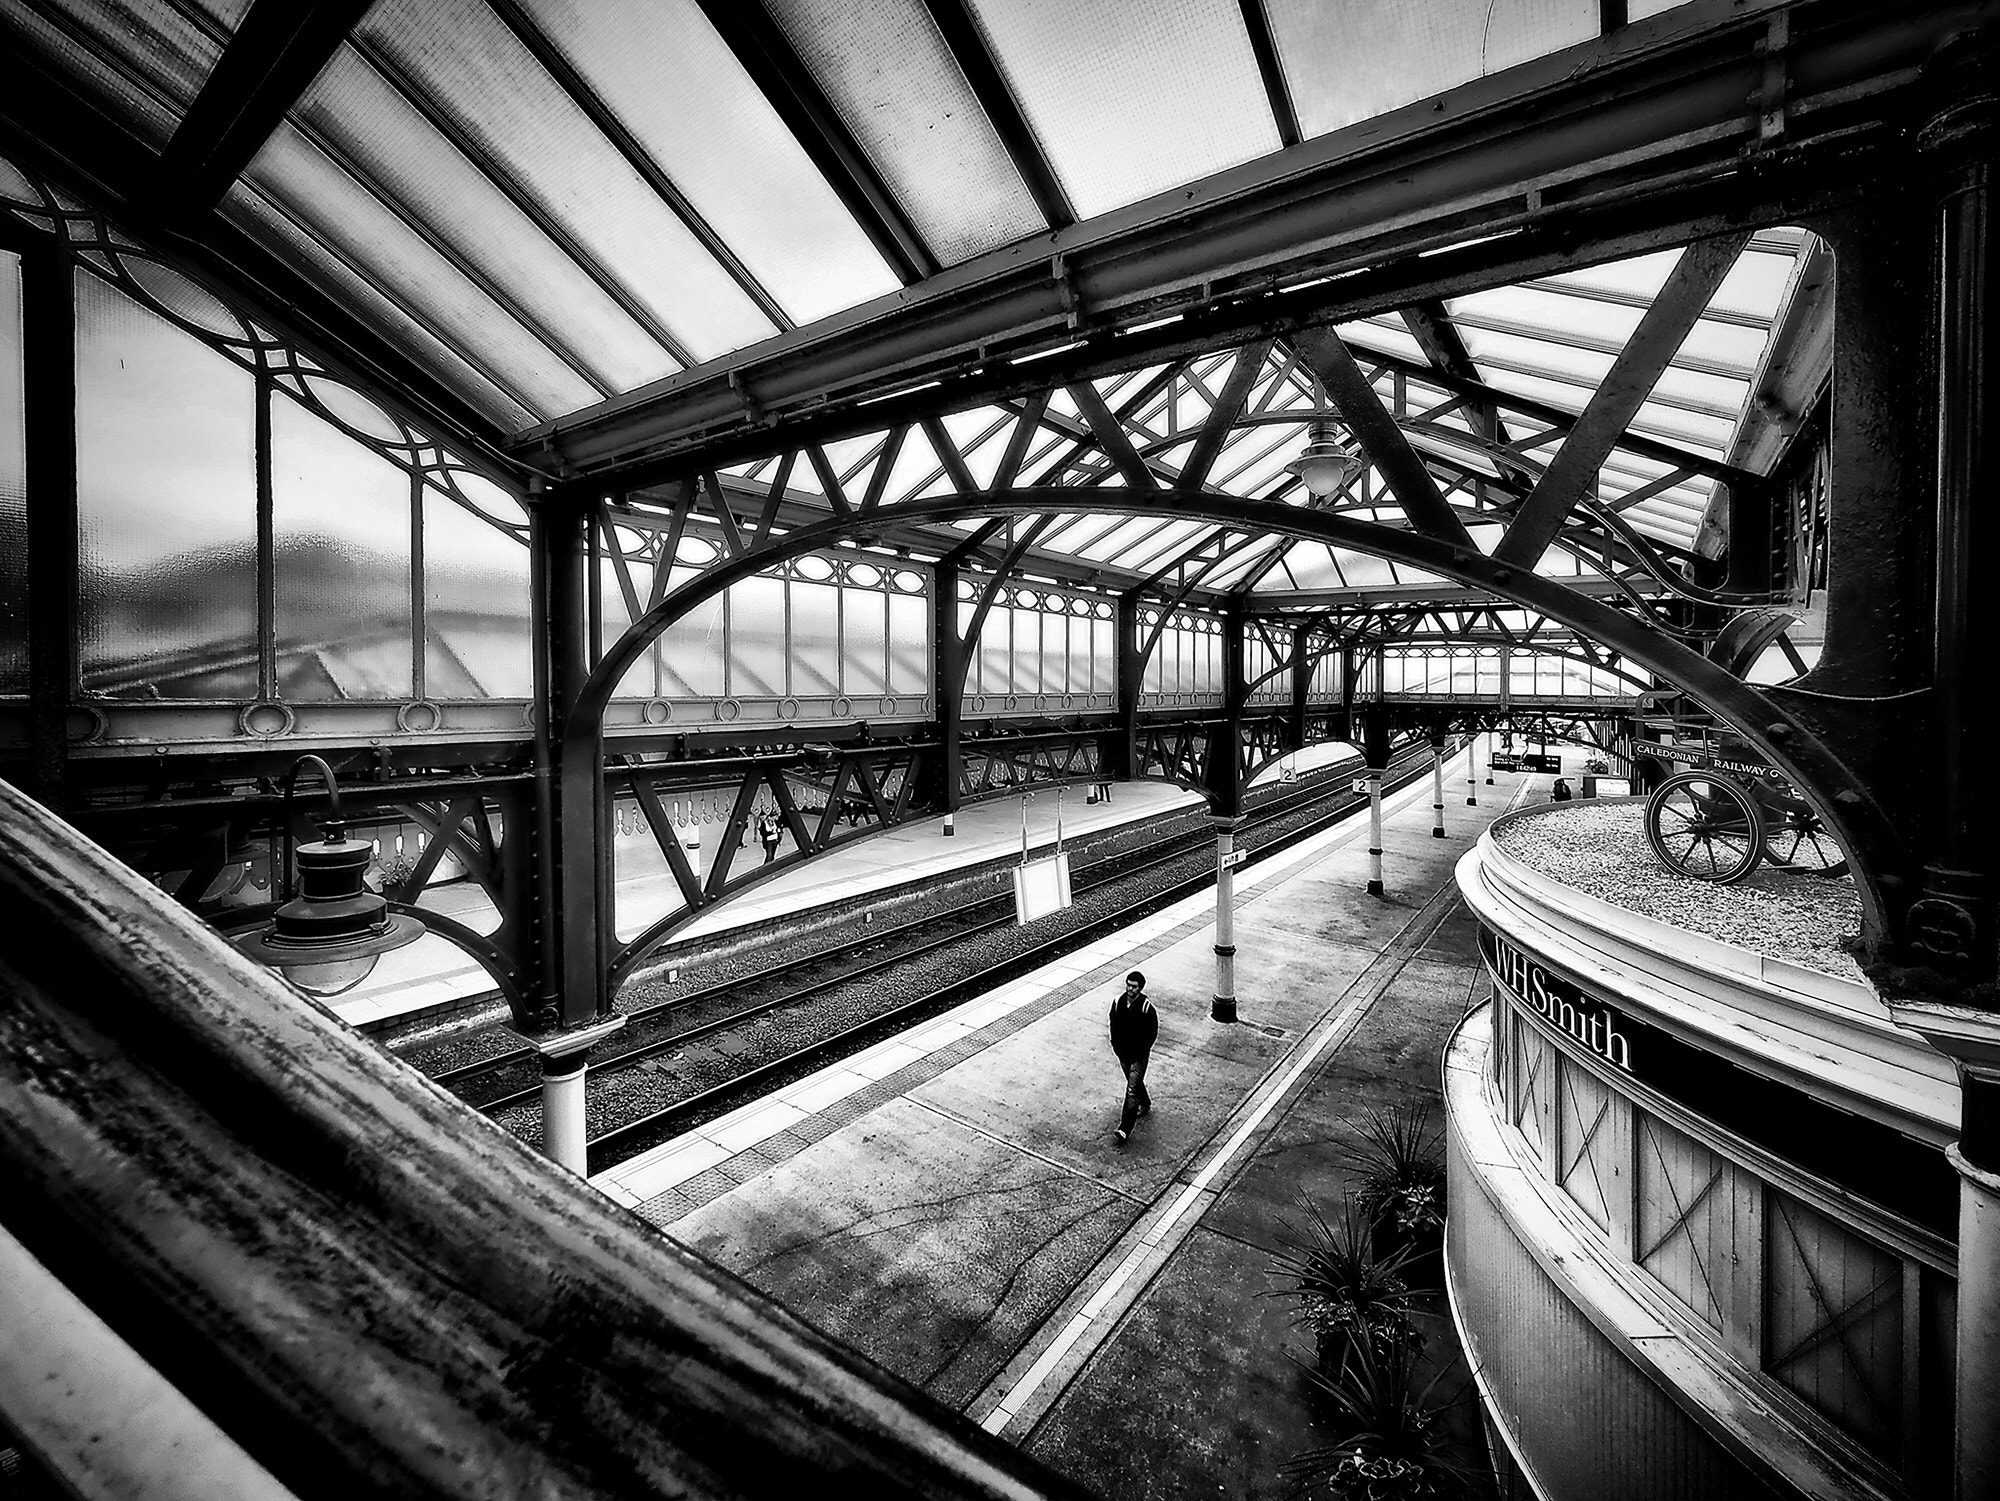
(366,1285)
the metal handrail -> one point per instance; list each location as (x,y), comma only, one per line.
(365,1285)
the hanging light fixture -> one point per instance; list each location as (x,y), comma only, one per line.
(325,939)
(1326,465)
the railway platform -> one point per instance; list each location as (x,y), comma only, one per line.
(953,1203)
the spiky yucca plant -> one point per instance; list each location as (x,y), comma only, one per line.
(1346,1291)
(1401,1156)
(1393,1444)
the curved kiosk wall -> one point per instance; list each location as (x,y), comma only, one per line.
(1700,1241)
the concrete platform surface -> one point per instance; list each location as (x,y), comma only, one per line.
(953,1204)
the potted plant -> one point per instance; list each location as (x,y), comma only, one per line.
(1350,1292)
(1393,1443)
(1401,1159)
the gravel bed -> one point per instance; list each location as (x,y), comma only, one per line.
(1601,849)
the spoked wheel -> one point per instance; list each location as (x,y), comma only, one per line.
(1797,840)
(1705,826)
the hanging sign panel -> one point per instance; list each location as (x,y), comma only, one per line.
(1041,887)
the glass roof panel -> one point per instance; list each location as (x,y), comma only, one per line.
(898,90)
(360,115)
(266,224)
(476,71)
(152,110)
(1638,275)
(1130,104)
(154,43)
(353,223)
(676,85)
(1353,59)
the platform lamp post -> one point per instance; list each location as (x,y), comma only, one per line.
(327,933)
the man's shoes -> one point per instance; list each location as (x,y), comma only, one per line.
(1122,1134)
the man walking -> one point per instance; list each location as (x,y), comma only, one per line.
(1134,1025)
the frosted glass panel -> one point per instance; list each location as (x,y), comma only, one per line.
(757,638)
(340,531)
(676,85)
(166,507)
(13,487)
(925,132)
(1130,103)
(476,619)
(909,644)
(865,636)
(1354,59)
(691,663)
(815,638)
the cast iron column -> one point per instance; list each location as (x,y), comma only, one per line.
(1437,787)
(1131,675)
(574,1009)
(1375,748)
(948,690)
(1951,925)
(1225,786)
(48,409)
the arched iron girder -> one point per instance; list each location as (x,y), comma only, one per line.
(1581,657)
(1849,806)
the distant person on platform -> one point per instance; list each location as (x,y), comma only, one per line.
(1134,1025)
(1560,793)
(767,831)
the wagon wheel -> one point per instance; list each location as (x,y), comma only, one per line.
(1705,826)
(1797,838)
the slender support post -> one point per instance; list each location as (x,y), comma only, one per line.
(1489,758)
(1375,747)
(581,833)
(1224,1007)
(565,1062)
(1437,787)
(1472,770)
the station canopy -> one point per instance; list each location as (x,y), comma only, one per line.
(548,205)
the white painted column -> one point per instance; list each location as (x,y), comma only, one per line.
(1472,770)
(565,1062)
(949,828)
(1375,830)
(1978,1328)
(1437,791)
(1489,758)
(1223,1008)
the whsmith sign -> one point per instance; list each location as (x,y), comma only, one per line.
(1558,1002)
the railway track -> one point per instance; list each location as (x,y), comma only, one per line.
(730,1042)
(512,1076)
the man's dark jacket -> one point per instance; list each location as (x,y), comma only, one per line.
(1134,1025)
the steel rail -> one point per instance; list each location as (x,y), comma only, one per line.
(1127,864)
(658,1125)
